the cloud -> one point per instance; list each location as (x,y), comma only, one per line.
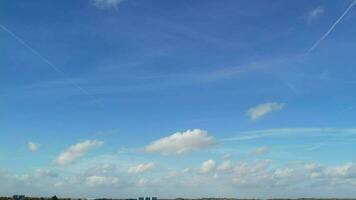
(76,151)
(283,173)
(347,170)
(101,181)
(142,168)
(186,170)
(244,168)
(142,182)
(42,173)
(258,179)
(207,166)
(226,156)
(344,171)
(181,142)
(105,168)
(315,14)
(261,150)
(32,146)
(316,44)
(225,166)
(312,167)
(287,132)
(261,110)
(107,4)
(44,59)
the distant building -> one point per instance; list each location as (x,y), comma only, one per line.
(147,198)
(18,197)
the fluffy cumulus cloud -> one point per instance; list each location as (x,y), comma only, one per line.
(261,110)
(225,166)
(181,142)
(32,146)
(76,151)
(258,179)
(142,168)
(207,166)
(347,170)
(107,4)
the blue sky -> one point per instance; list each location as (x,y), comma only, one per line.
(121,98)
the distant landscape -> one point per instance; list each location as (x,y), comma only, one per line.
(58,198)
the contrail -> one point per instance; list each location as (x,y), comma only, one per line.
(53,66)
(332,27)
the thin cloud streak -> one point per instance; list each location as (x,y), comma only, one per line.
(107,4)
(258,134)
(316,44)
(49,63)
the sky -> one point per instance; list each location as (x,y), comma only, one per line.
(188,98)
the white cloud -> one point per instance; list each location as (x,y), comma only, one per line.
(76,151)
(225,166)
(32,146)
(347,170)
(107,4)
(315,14)
(207,166)
(101,181)
(312,167)
(142,168)
(258,179)
(186,170)
(243,168)
(261,150)
(105,168)
(226,156)
(142,182)
(181,142)
(261,110)
(282,173)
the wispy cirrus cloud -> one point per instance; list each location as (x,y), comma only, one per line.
(107,4)
(76,151)
(261,150)
(310,132)
(315,14)
(261,110)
